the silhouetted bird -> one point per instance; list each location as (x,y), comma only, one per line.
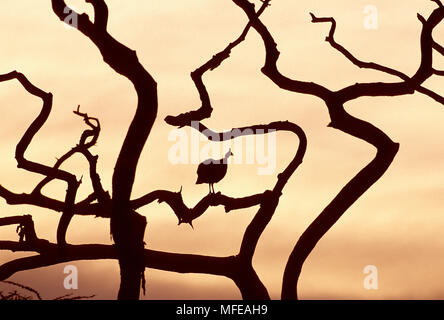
(211,171)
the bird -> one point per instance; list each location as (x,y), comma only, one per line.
(211,171)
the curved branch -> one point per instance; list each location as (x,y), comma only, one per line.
(425,69)
(100,13)
(354,189)
(361,64)
(369,65)
(272,55)
(438,2)
(31,166)
(94,131)
(83,148)
(206,109)
(269,201)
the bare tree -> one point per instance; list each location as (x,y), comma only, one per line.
(128,227)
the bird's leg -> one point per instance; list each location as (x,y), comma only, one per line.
(212,187)
(209,187)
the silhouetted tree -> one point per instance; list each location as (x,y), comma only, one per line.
(128,227)
(342,120)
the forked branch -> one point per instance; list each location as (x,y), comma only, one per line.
(53,173)
(206,109)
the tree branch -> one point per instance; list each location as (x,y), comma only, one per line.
(361,64)
(174,262)
(188,215)
(127,227)
(424,71)
(100,14)
(23,287)
(31,166)
(272,55)
(49,254)
(84,207)
(340,119)
(438,2)
(25,229)
(206,109)
(83,148)
(370,65)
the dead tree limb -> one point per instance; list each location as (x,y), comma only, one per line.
(32,166)
(127,227)
(341,120)
(206,109)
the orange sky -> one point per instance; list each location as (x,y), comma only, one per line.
(395,226)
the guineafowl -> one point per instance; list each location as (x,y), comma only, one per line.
(211,171)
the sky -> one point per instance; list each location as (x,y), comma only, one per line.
(395,226)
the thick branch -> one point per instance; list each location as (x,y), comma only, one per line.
(438,48)
(438,2)
(51,255)
(100,14)
(127,227)
(174,262)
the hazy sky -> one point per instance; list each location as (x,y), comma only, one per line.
(396,226)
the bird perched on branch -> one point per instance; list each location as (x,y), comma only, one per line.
(211,171)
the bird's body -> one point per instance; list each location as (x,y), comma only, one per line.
(211,171)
